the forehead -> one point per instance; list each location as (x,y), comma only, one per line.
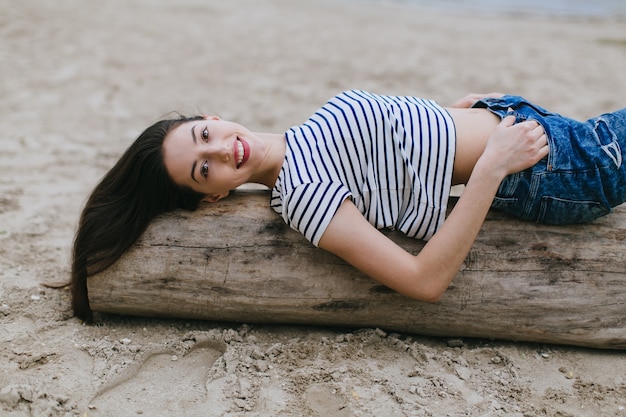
(177,151)
(180,134)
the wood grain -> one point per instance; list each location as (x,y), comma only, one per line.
(237,261)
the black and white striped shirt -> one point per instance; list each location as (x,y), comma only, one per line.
(393,156)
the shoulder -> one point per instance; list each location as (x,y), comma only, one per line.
(342,111)
(366,102)
(352,97)
(355,105)
(361,96)
(380,103)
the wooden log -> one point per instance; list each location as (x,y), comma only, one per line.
(237,261)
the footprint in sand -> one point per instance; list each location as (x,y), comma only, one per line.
(20,327)
(161,386)
(9,199)
(321,399)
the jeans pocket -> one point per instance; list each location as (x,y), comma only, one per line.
(508,186)
(561,211)
(508,205)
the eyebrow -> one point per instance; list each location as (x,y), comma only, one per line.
(193,166)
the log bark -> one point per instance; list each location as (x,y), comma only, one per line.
(236,260)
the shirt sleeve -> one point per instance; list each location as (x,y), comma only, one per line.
(309,208)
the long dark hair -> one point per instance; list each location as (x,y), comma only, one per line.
(130,195)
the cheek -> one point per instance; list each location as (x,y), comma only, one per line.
(223,179)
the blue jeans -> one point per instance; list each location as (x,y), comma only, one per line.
(582,177)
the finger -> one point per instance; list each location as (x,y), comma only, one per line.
(542,138)
(534,128)
(533,124)
(544,145)
(539,127)
(508,121)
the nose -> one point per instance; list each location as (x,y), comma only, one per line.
(215,150)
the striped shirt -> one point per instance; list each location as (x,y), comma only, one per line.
(392,156)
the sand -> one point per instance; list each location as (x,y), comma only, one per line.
(80,79)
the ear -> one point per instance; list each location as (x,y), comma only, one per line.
(213,198)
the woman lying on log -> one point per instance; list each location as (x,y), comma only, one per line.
(361,163)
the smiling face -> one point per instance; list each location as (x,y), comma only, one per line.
(212,156)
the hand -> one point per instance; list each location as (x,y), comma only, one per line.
(469,100)
(515,147)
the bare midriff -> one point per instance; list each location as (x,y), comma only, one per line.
(473,129)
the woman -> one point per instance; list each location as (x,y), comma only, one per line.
(364,162)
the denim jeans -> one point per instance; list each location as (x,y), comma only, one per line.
(582,177)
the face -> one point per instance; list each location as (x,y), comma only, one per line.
(212,156)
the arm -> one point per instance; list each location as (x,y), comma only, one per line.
(469,100)
(427,275)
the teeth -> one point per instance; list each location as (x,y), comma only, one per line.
(239,152)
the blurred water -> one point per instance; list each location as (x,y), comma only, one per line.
(538,8)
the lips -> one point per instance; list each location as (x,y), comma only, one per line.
(242,151)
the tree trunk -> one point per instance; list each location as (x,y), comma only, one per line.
(236,260)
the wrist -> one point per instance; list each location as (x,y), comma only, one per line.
(487,171)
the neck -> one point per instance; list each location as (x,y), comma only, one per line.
(274,157)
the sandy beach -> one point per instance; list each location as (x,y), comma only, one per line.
(79,80)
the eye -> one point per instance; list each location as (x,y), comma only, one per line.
(204,168)
(205,134)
